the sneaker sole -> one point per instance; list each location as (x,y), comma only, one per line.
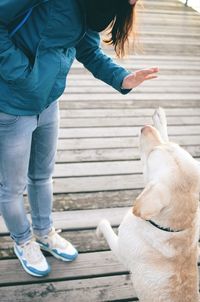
(44,248)
(25,268)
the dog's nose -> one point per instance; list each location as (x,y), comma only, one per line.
(146,128)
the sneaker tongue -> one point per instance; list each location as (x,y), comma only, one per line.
(55,240)
(32,252)
(59,242)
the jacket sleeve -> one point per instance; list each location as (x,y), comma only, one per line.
(13,62)
(89,53)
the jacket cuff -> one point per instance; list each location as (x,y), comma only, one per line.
(119,76)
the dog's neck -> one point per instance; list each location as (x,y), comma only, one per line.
(163,228)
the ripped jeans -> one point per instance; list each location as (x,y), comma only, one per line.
(27,157)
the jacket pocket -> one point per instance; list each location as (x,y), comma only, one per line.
(29,83)
(66,57)
(33,91)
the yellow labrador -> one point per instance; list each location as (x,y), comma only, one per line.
(158,238)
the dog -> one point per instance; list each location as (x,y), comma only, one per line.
(158,238)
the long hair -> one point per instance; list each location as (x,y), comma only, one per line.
(122,28)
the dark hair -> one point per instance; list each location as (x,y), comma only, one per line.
(122,27)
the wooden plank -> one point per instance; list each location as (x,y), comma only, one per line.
(76,220)
(94,200)
(123,121)
(186,16)
(124,131)
(190,23)
(104,168)
(97,183)
(81,88)
(161,81)
(166,2)
(141,58)
(148,47)
(170,20)
(104,264)
(84,241)
(172,97)
(158,58)
(139,61)
(93,289)
(163,48)
(87,265)
(172,31)
(98,168)
(164,62)
(117,142)
(165,5)
(162,77)
(134,103)
(169,65)
(169,28)
(141,114)
(168,11)
(136,114)
(90,155)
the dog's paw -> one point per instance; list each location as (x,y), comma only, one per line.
(98,232)
(159,119)
(100,228)
(160,123)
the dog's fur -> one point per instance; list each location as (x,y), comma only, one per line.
(163,264)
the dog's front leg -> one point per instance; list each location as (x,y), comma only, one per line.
(160,123)
(104,228)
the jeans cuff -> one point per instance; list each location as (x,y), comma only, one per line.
(21,241)
(43,232)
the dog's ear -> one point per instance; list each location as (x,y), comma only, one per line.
(151,201)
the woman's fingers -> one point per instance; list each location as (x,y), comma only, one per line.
(146,72)
(151,77)
(135,79)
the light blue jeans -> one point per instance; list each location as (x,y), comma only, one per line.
(27,156)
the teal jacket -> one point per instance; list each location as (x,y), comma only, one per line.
(35,61)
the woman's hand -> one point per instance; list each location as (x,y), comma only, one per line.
(136,78)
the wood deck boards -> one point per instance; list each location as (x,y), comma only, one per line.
(98,173)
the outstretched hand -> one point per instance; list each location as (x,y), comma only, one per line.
(139,76)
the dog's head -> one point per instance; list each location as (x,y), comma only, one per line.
(172,178)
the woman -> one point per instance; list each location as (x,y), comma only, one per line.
(38,42)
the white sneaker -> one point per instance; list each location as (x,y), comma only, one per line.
(57,246)
(32,259)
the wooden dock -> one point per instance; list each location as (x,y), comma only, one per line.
(98,172)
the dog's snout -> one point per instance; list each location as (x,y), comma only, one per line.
(146,128)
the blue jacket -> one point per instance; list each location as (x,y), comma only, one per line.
(35,61)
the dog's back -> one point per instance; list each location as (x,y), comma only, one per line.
(158,238)
(161,271)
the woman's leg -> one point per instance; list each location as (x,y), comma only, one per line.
(42,161)
(15,145)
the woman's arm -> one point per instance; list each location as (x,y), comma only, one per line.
(89,53)
(102,67)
